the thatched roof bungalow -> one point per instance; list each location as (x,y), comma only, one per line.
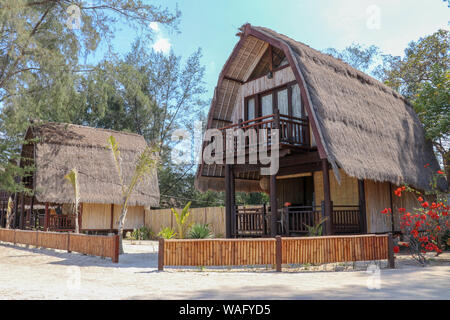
(56,148)
(331,117)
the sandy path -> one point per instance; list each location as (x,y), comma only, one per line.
(48,274)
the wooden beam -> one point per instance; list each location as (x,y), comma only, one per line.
(228,200)
(233,79)
(326,196)
(80,216)
(273,206)
(22,209)
(47,217)
(362,206)
(112,217)
(300,158)
(233,204)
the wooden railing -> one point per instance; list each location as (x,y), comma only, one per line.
(250,221)
(275,251)
(346,219)
(102,246)
(62,222)
(293,131)
(297,218)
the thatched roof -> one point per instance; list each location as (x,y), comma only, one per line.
(360,124)
(61,147)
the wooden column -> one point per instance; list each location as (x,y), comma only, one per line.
(233,204)
(326,197)
(47,217)
(362,207)
(80,216)
(273,206)
(31,212)
(391,203)
(15,211)
(22,209)
(112,218)
(228,200)
(161,255)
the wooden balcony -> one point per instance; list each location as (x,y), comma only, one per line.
(62,222)
(293,132)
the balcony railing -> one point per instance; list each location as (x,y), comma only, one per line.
(293,132)
(62,222)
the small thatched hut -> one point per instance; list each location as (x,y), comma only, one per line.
(55,149)
(346,140)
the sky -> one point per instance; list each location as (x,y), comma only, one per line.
(213,24)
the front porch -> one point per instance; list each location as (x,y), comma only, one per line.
(255,221)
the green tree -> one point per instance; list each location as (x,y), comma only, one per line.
(40,52)
(358,56)
(422,76)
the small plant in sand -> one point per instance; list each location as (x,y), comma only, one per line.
(167,233)
(181,220)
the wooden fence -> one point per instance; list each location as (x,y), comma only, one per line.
(275,251)
(102,246)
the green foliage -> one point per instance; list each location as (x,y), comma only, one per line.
(316,229)
(200,231)
(167,233)
(181,220)
(143,233)
(356,55)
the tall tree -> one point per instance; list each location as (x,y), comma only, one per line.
(41,43)
(423,77)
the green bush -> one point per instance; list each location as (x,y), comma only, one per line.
(200,231)
(142,233)
(167,233)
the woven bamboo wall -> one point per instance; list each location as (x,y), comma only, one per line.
(135,217)
(161,218)
(344,194)
(98,216)
(377,198)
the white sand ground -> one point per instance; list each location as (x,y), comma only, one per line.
(30,273)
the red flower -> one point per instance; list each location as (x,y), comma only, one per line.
(398,192)
(385,211)
(440,172)
(287,204)
(401,209)
(427,165)
(420,199)
(425,204)
(396,249)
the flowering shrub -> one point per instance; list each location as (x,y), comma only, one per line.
(427,224)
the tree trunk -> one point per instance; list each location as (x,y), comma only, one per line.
(446,161)
(77,227)
(121,225)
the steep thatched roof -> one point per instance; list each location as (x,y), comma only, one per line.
(61,147)
(360,124)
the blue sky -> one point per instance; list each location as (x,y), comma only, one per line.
(212,25)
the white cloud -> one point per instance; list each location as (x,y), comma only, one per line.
(154,26)
(162,45)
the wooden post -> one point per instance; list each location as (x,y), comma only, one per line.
(233,205)
(362,207)
(228,200)
(116,249)
(278,253)
(68,242)
(392,208)
(112,218)
(16,208)
(264,220)
(161,255)
(31,212)
(273,206)
(80,217)
(22,208)
(326,197)
(391,258)
(47,217)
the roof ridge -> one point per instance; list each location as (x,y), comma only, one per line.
(93,128)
